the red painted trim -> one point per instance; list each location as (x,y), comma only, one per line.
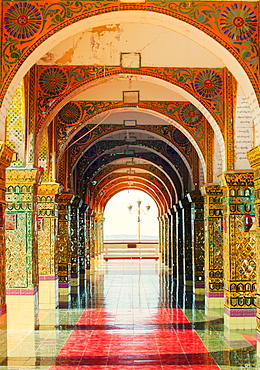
(2,310)
(23,291)
(47,277)
(130,258)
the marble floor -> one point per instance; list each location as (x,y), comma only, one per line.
(132,316)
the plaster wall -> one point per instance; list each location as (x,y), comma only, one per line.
(158,47)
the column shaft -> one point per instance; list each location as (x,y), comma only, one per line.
(47,255)
(239,249)
(213,218)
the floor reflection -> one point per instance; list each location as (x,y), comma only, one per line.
(133,315)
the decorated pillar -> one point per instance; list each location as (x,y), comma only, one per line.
(5,160)
(88,250)
(213,226)
(22,279)
(197,240)
(179,249)
(187,248)
(239,249)
(170,241)
(93,241)
(166,239)
(47,254)
(254,158)
(82,246)
(64,248)
(74,248)
(174,263)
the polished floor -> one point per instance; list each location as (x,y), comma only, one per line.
(133,316)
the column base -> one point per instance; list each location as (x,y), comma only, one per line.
(64,295)
(3,335)
(22,309)
(214,300)
(240,318)
(199,289)
(48,292)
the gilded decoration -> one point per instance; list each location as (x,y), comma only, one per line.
(213,211)
(198,249)
(239,239)
(64,237)
(21,245)
(47,228)
(27,24)
(254,159)
(6,154)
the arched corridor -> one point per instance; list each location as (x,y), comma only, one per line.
(99,97)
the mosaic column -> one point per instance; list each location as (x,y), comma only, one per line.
(88,241)
(179,249)
(64,248)
(239,249)
(187,247)
(5,161)
(170,241)
(197,241)
(47,255)
(213,226)
(93,241)
(254,158)
(174,219)
(82,246)
(22,279)
(74,248)
(166,238)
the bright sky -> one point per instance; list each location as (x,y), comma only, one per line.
(118,220)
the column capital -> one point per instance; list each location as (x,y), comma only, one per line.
(254,157)
(211,190)
(24,176)
(236,178)
(48,188)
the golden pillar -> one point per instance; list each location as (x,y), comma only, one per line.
(74,248)
(82,246)
(254,158)
(213,219)
(64,248)
(22,278)
(239,249)
(5,161)
(197,241)
(47,254)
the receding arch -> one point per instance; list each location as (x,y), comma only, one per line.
(128,16)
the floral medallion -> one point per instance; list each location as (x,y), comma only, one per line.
(191,115)
(238,22)
(22,20)
(180,138)
(52,81)
(69,114)
(208,84)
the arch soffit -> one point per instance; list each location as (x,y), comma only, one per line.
(148,166)
(157,136)
(104,198)
(159,175)
(152,151)
(142,178)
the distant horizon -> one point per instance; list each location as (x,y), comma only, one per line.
(130,237)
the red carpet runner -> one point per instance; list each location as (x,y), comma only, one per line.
(134,339)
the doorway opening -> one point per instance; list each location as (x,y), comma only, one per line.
(131,226)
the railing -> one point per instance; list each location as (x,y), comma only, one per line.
(131,249)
